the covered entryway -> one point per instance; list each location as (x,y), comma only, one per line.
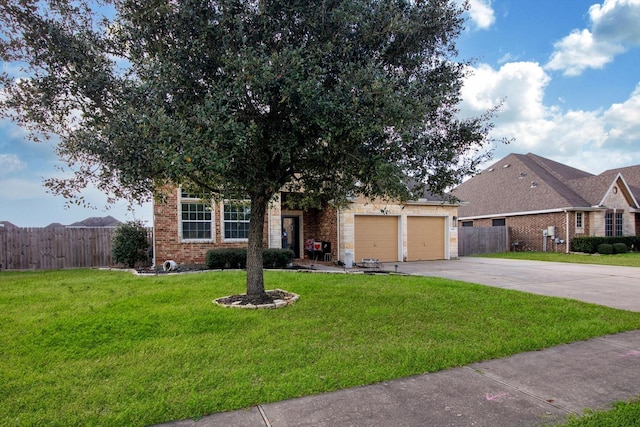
(376,236)
(425,238)
(291,234)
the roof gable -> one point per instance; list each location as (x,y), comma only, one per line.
(631,176)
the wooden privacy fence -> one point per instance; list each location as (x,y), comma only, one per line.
(59,247)
(482,240)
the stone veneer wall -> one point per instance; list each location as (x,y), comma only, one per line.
(347,223)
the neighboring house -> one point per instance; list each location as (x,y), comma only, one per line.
(96,221)
(185,229)
(545,203)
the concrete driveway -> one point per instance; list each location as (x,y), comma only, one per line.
(617,287)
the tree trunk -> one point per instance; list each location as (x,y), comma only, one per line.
(255,273)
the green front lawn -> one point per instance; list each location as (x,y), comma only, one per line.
(631,259)
(623,414)
(87,347)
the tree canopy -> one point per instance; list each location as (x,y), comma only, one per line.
(241,98)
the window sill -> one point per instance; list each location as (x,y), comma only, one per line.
(197,240)
(235,240)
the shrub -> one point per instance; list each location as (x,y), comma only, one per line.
(237,258)
(226,258)
(620,248)
(130,245)
(590,244)
(605,249)
(277,258)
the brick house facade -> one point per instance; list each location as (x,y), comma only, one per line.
(545,204)
(168,241)
(184,229)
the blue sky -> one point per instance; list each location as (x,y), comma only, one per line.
(566,72)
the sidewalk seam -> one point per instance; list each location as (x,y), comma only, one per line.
(615,344)
(264,416)
(518,389)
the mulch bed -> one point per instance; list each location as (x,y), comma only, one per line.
(276,298)
(267,298)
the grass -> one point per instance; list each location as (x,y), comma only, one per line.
(623,414)
(631,259)
(87,347)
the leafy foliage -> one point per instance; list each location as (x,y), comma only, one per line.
(130,245)
(237,258)
(590,244)
(226,258)
(620,248)
(605,249)
(244,98)
(277,258)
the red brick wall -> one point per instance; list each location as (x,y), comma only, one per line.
(322,225)
(168,245)
(526,230)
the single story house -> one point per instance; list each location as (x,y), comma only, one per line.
(425,229)
(545,203)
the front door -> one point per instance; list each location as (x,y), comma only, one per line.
(291,234)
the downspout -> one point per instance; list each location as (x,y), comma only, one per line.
(153,234)
(566,228)
(270,229)
(338,213)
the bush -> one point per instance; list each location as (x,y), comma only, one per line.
(237,258)
(620,248)
(226,258)
(277,258)
(605,249)
(129,245)
(590,244)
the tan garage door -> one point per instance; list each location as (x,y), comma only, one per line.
(425,238)
(376,237)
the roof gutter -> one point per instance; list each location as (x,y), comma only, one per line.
(432,203)
(545,211)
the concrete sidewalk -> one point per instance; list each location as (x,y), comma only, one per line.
(528,389)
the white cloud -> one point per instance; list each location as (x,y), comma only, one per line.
(519,86)
(617,21)
(614,29)
(481,13)
(583,139)
(579,51)
(10,163)
(622,122)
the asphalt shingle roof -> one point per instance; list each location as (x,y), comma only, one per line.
(522,183)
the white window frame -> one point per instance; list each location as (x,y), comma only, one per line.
(579,222)
(246,204)
(203,209)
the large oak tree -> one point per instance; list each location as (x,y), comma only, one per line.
(239,99)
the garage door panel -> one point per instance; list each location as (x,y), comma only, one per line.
(425,238)
(376,237)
